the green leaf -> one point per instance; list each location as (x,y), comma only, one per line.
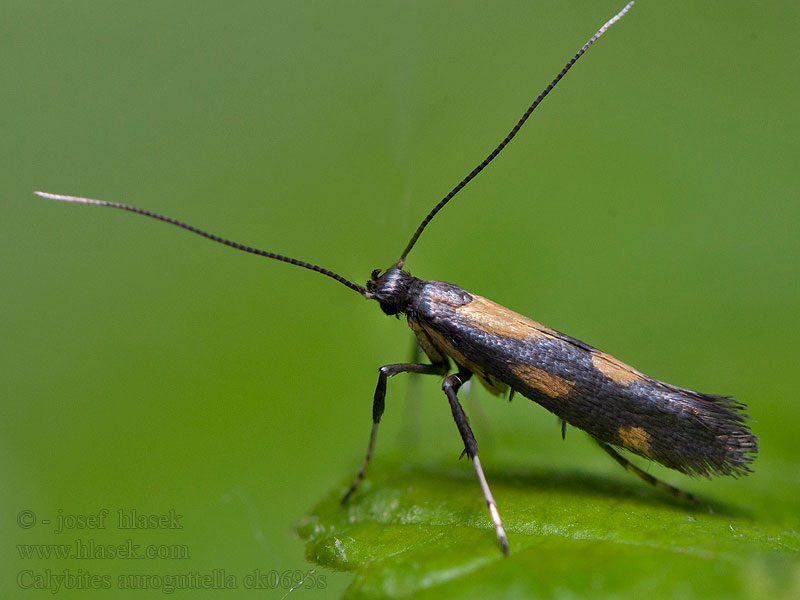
(413,531)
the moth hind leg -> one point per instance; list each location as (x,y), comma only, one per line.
(629,466)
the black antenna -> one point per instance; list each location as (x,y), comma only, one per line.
(493,154)
(212,237)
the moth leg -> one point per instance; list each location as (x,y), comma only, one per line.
(378,405)
(451,385)
(629,466)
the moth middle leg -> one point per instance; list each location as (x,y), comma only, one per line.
(450,386)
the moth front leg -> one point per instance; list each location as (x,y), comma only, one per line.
(378,404)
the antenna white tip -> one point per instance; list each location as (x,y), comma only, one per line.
(77,199)
(613,20)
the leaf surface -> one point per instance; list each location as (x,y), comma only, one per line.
(413,531)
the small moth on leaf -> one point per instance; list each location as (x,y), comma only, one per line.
(620,407)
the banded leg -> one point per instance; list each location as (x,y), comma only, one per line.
(451,385)
(629,466)
(378,404)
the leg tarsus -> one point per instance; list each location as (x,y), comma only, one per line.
(487,494)
(360,476)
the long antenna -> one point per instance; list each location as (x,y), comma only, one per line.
(210,236)
(493,154)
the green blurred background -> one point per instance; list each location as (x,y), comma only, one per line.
(650,208)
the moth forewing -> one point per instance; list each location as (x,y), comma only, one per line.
(695,433)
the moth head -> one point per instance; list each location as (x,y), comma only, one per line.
(390,289)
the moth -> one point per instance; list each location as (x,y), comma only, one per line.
(618,406)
